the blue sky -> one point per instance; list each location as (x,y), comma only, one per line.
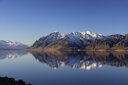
(27,20)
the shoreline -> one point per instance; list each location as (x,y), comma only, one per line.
(77,50)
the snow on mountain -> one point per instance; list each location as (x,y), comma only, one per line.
(82,38)
(11,45)
(91,35)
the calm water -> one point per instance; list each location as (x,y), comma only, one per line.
(65,68)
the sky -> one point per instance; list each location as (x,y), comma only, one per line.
(28,20)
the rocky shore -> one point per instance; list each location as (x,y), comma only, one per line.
(11,81)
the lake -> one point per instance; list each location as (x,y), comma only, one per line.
(66,68)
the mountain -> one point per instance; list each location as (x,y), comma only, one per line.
(122,43)
(11,45)
(111,42)
(105,42)
(70,40)
(82,41)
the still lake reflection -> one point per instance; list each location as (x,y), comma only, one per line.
(83,68)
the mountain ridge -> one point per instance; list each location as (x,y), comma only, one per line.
(81,40)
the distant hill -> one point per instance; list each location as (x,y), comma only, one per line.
(10,45)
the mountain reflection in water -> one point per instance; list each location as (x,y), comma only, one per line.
(83,60)
(9,54)
(37,69)
(78,60)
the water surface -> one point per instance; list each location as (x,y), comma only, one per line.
(65,68)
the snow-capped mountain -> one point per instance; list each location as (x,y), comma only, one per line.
(78,39)
(11,45)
